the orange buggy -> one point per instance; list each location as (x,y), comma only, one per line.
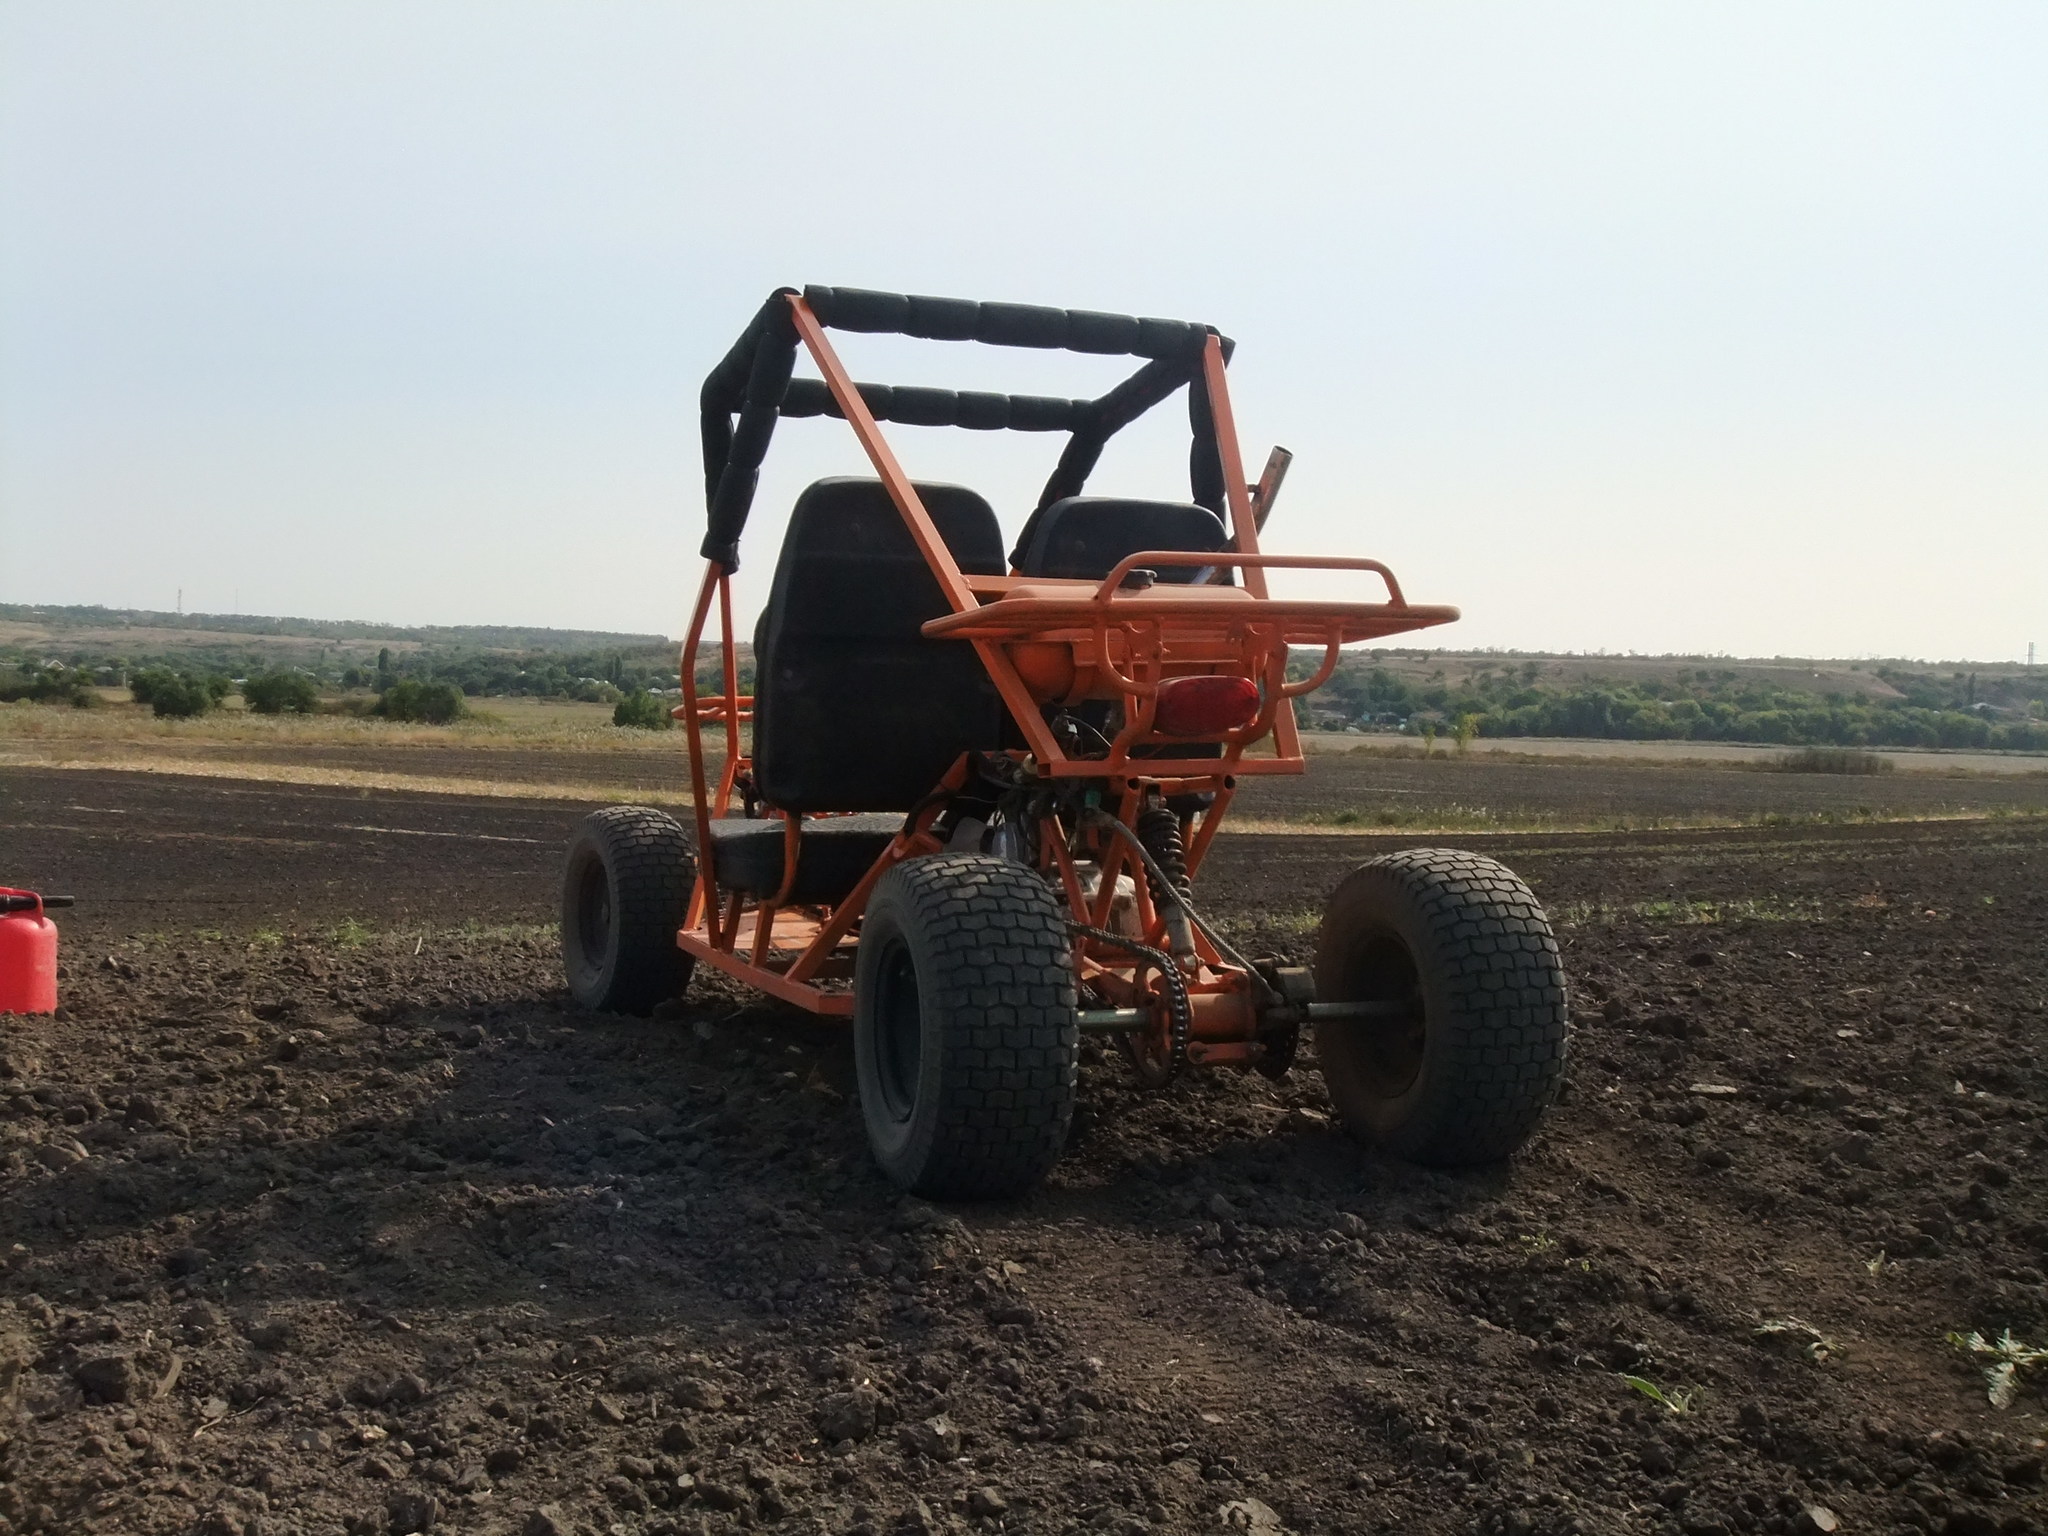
(978,787)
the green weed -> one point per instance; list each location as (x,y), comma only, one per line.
(471,930)
(1445,818)
(1691,913)
(1673,1401)
(2002,1363)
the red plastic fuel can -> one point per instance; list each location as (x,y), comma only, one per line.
(28,953)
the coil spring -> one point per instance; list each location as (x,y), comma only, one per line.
(1159,830)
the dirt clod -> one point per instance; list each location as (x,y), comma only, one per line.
(109,1378)
(504,1460)
(412,1512)
(273,1334)
(695,1393)
(986,1503)
(723,1496)
(937,1437)
(848,1415)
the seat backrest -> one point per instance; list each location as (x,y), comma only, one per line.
(854,710)
(1085,536)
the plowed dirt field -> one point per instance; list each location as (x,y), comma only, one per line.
(322,1212)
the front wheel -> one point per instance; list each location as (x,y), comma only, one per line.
(966,1041)
(1463,1074)
(624,891)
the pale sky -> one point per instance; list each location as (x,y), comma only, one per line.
(1710,328)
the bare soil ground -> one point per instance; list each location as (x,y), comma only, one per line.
(321,1211)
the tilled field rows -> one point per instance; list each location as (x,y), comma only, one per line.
(1363,788)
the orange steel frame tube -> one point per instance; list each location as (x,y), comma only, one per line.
(1162,633)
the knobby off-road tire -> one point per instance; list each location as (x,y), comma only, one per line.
(965,1037)
(1466,1076)
(624,891)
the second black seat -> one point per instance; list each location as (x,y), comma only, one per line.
(1086,536)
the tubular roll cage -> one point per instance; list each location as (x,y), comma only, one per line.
(1044,642)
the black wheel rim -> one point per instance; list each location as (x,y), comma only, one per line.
(899,1033)
(593,914)
(1392,1049)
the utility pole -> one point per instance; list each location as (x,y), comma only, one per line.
(181,600)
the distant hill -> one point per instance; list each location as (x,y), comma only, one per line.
(1791,674)
(112,629)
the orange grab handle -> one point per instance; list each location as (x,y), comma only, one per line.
(1154,557)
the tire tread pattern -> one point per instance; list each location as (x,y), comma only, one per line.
(1002,981)
(653,872)
(1505,1036)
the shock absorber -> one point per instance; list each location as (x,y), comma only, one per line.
(1159,831)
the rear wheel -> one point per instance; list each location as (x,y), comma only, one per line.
(624,891)
(965,1038)
(1465,1072)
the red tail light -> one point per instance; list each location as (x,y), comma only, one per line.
(1205,706)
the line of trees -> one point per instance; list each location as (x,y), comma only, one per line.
(1707,704)
(599,677)
(596,676)
(1790,720)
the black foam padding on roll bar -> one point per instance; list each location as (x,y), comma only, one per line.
(750,379)
(974,409)
(940,319)
(752,386)
(860,309)
(1004,325)
(1205,459)
(1109,335)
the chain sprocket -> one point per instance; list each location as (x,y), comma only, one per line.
(1153,1072)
